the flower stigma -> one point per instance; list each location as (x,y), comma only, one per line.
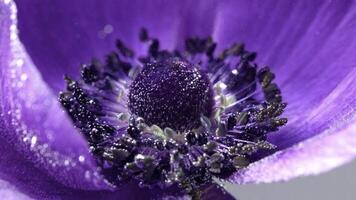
(171,93)
(182,117)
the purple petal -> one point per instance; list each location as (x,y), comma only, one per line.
(37,140)
(59,35)
(319,154)
(310,46)
(9,192)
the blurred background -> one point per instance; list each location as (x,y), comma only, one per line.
(338,184)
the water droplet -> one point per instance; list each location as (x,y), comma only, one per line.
(87,175)
(33,141)
(81,158)
(108,29)
(19,62)
(66,162)
(23,77)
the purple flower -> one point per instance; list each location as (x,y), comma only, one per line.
(309,46)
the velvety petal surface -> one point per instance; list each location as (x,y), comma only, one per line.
(310,45)
(9,192)
(316,155)
(61,35)
(36,140)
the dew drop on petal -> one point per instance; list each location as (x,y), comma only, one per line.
(81,158)
(33,141)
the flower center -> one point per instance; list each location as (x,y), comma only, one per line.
(129,126)
(171,93)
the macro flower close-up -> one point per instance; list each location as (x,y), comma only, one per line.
(171,99)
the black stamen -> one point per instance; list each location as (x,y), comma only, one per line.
(154,119)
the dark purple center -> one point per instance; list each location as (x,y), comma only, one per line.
(171,93)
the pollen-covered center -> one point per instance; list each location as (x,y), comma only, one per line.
(171,93)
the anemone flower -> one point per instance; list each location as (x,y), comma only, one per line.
(174,101)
